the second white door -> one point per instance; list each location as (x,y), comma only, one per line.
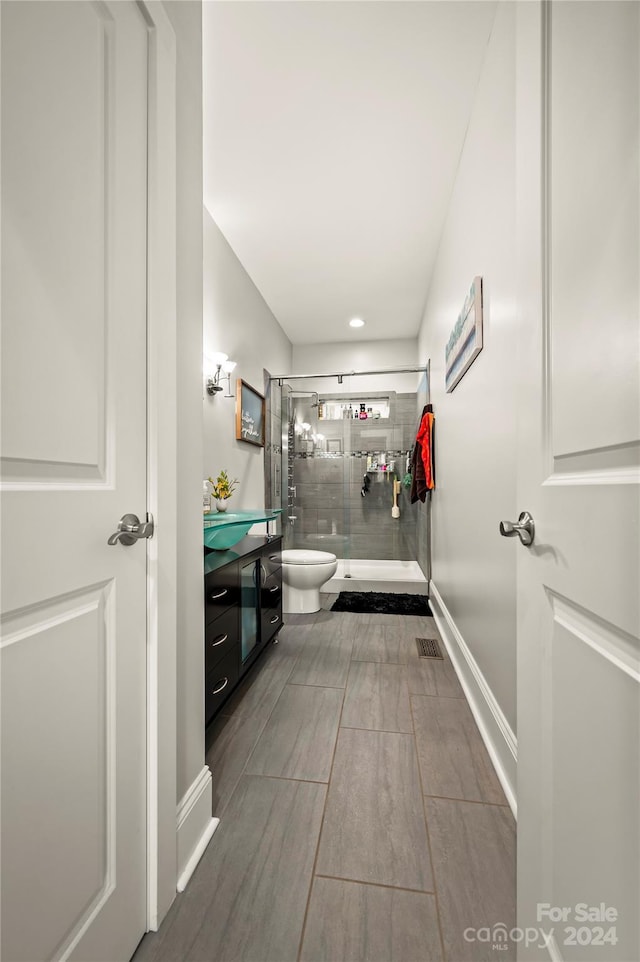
(578,584)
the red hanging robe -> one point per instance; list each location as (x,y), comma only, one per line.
(425,440)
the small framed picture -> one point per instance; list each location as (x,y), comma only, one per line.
(249,414)
(465,342)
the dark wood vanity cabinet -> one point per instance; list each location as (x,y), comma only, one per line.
(271,592)
(243,612)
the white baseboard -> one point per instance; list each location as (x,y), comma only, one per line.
(499,739)
(195,826)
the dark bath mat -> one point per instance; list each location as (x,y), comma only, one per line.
(381,603)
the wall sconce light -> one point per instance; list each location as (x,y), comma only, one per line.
(223,368)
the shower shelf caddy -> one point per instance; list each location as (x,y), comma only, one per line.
(336,408)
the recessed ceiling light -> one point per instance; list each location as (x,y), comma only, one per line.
(356,322)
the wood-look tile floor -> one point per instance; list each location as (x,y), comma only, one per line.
(361,819)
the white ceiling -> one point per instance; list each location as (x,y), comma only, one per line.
(332,133)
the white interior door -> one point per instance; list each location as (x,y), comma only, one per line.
(578,585)
(74,249)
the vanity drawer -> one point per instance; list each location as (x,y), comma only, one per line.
(271,623)
(220,592)
(221,681)
(272,558)
(220,636)
(271,592)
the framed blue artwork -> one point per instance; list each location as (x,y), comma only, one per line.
(465,342)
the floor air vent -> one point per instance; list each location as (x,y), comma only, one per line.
(429,648)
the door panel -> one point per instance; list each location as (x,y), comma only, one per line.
(594,706)
(62,759)
(54,209)
(593,237)
(579,439)
(73,459)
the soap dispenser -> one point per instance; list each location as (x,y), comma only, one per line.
(206,497)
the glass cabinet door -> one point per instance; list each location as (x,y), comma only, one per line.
(248,607)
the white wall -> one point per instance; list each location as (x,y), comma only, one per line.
(237,321)
(473,567)
(359,355)
(187,23)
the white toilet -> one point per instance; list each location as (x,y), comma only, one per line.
(303,574)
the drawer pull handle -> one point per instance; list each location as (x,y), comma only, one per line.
(274,619)
(274,557)
(216,691)
(220,641)
(277,588)
(220,594)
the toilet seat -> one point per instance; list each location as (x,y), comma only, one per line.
(304,556)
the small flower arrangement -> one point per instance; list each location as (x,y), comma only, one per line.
(222,488)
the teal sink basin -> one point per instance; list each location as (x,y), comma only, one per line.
(223,529)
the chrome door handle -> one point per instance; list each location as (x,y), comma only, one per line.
(132,529)
(524,528)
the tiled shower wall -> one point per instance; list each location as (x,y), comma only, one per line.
(330,511)
(275,475)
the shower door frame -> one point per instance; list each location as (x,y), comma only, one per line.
(283,380)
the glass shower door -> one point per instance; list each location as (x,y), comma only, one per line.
(346,463)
